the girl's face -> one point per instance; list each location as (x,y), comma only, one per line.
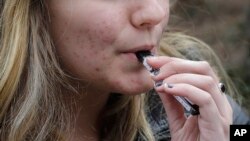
(96,40)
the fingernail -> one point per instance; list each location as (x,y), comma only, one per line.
(156,72)
(158,83)
(167,85)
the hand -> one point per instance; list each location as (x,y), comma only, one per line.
(196,81)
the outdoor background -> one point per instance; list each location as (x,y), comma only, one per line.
(225,26)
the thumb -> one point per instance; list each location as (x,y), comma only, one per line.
(174,111)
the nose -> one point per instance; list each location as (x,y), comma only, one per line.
(149,13)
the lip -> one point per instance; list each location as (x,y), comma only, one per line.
(150,48)
(130,53)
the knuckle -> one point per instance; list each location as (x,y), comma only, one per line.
(210,82)
(172,64)
(205,66)
(207,99)
(171,68)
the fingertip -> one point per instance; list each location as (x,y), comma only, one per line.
(151,59)
(159,88)
(163,87)
(168,85)
(158,61)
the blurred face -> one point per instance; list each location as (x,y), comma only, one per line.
(96,40)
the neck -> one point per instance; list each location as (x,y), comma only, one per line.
(87,108)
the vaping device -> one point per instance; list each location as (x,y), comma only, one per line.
(187,104)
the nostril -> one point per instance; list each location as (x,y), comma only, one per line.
(145,24)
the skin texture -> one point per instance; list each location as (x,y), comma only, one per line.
(96,41)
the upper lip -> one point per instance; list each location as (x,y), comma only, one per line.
(140,48)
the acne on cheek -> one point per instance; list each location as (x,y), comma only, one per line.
(97,69)
(106,32)
(109,25)
(135,81)
(100,60)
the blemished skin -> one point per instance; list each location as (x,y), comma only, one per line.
(96,41)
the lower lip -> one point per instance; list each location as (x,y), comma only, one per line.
(130,56)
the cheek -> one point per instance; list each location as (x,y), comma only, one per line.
(102,27)
(84,65)
(105,32)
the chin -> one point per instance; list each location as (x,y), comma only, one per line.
(136,93)
(133,90)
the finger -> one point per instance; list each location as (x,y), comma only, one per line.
(176,65)
(192,123)
(206,83)
(189,132)
(158,61)
(174,111)
(207,106)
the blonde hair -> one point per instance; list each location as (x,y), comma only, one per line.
(31,107)
(28,74)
